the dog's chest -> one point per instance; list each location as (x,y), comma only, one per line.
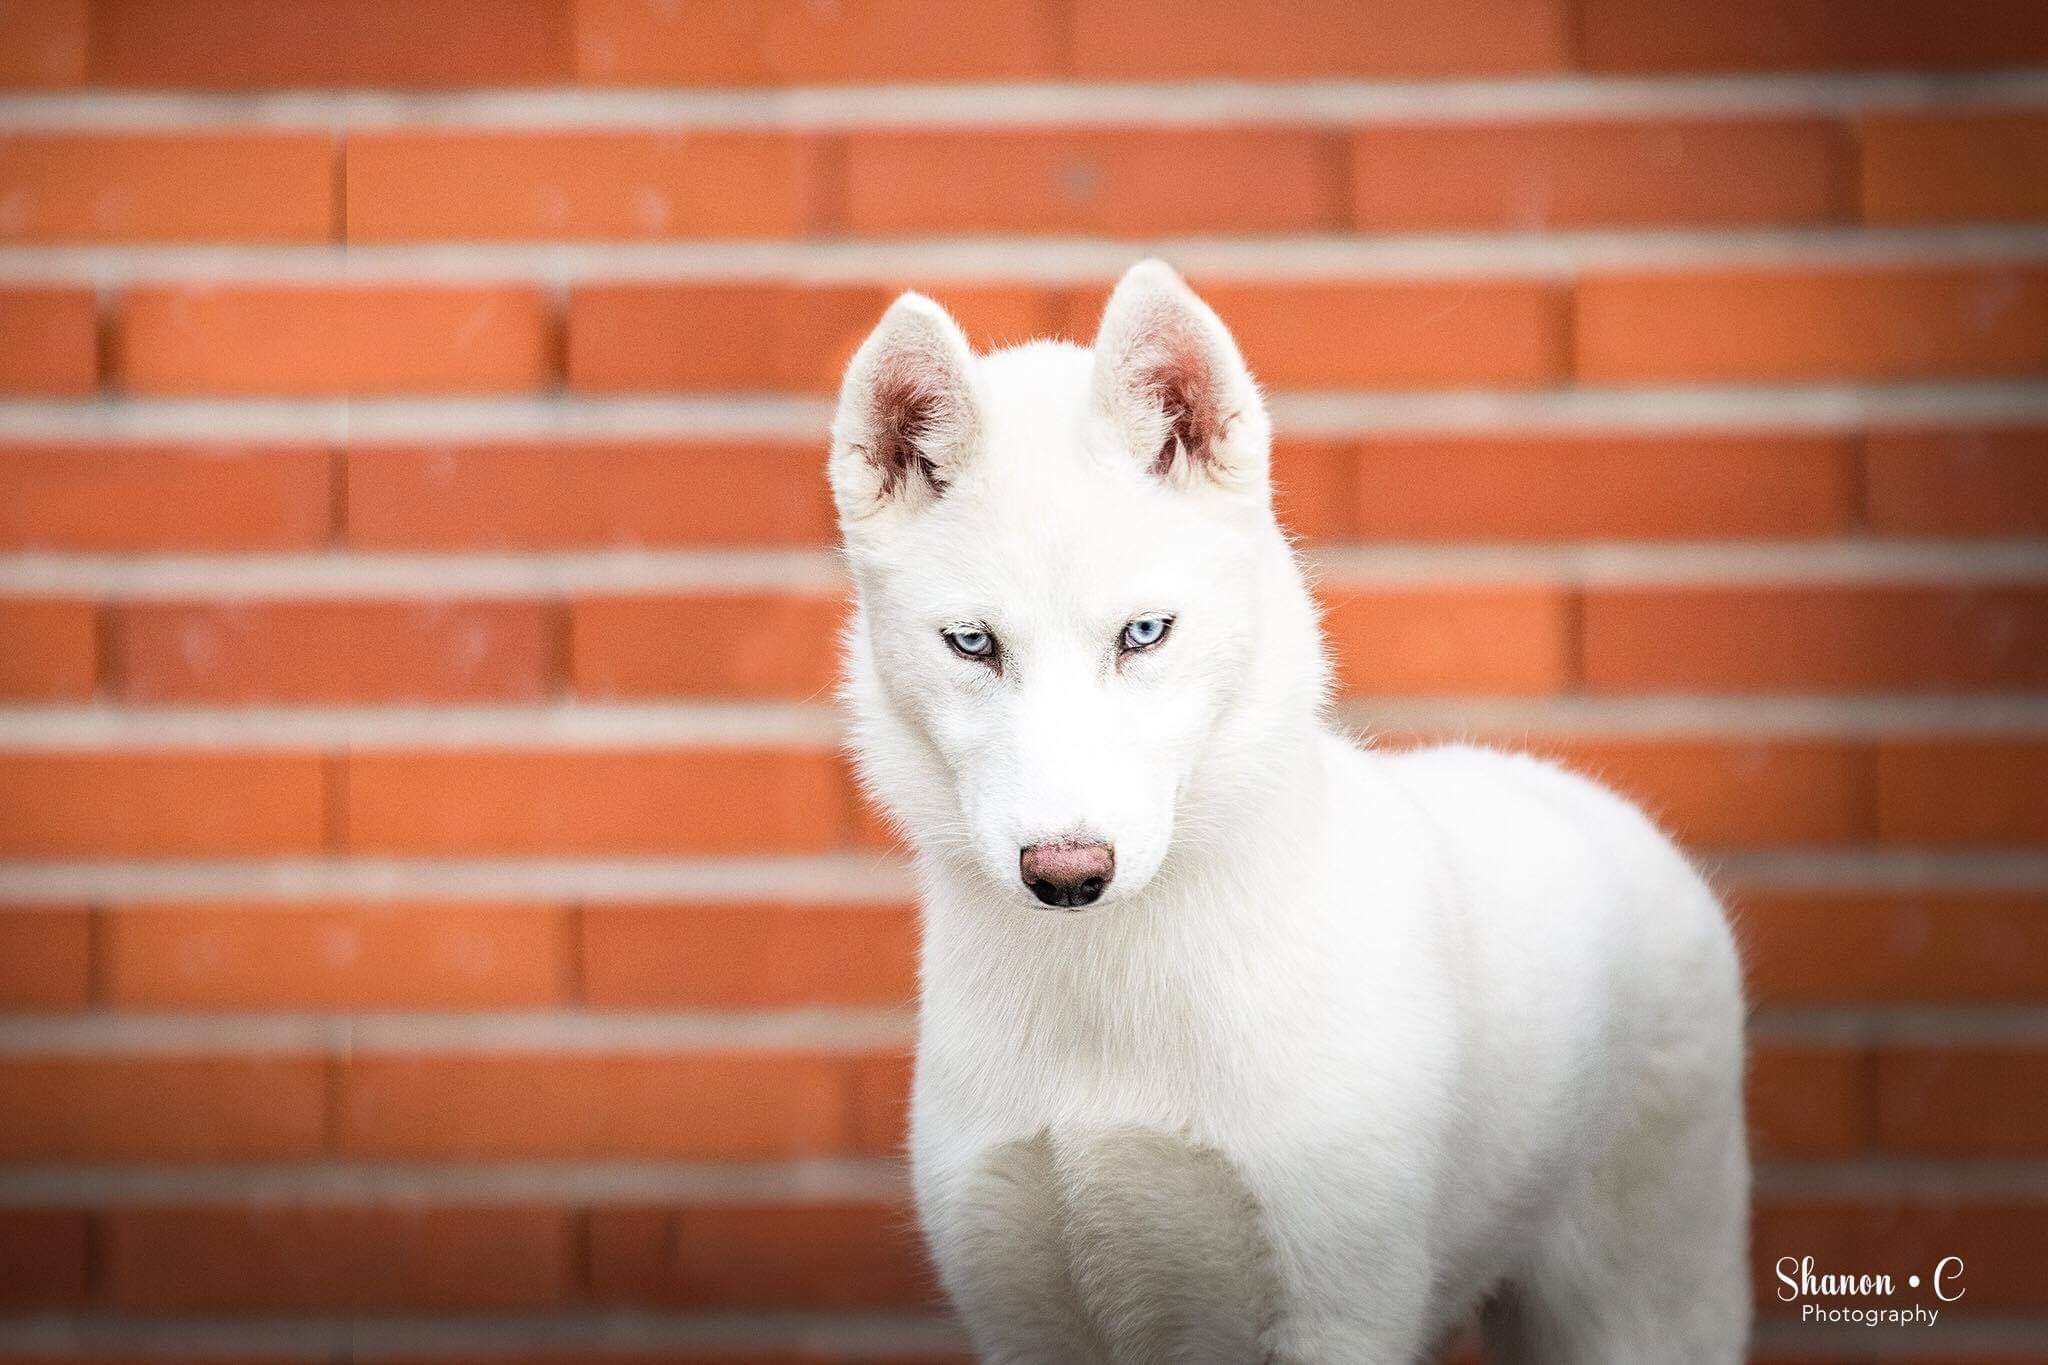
(1121,1244)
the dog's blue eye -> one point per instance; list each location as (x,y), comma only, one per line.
(1146,632)
(969,643)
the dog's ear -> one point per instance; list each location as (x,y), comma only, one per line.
(1171,384)
(907,412)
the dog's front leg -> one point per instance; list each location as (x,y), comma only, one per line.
(1351,1298)
(998,1234)
(1391,1335)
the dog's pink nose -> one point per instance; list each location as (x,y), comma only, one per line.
(1068,872)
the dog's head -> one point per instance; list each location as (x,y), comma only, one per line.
(1071,586)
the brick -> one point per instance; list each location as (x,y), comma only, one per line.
(1963,1101)
(158,803)
(488,186)
(831,1256)
(908,40)
(1794,35)
(881,1113)
(540,495)
(738,644)
(541,802)
(2001,1242)
(1315,487)
(626,337)
(1603,485)
(333,651)
(1181,39)
(682,1106)
(748,956)
(158,1358)
(139,187)
(634,42)
(1480,332)
(172,1107)
(630,337)
(336,956)
(45,958)
(1495,639)
(1117,182)
(1815,638)
(1955,166)
(728,42)
(1809,1103)
(1784,325)
(1735,793)
(49,649)
(1826,947)
(286,1259)
(42,43)
(821,327)
(97,498)
(49,342)
(44,1258)
(1963,791)
(227,44)
(314,340)
(204,1358)
(1397,333)
(1977,481)
(1611,173)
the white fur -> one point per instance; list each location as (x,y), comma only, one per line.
(1457,1027)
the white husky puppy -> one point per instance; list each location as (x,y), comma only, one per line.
(1240,1042)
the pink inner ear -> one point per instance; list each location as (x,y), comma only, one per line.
(1179,375)
(905,407)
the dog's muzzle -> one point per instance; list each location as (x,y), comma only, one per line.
(1068,873)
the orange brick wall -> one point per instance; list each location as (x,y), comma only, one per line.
(435,922)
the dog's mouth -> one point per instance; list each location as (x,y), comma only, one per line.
(1068,911)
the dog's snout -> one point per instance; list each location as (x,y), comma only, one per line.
(1068,872)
